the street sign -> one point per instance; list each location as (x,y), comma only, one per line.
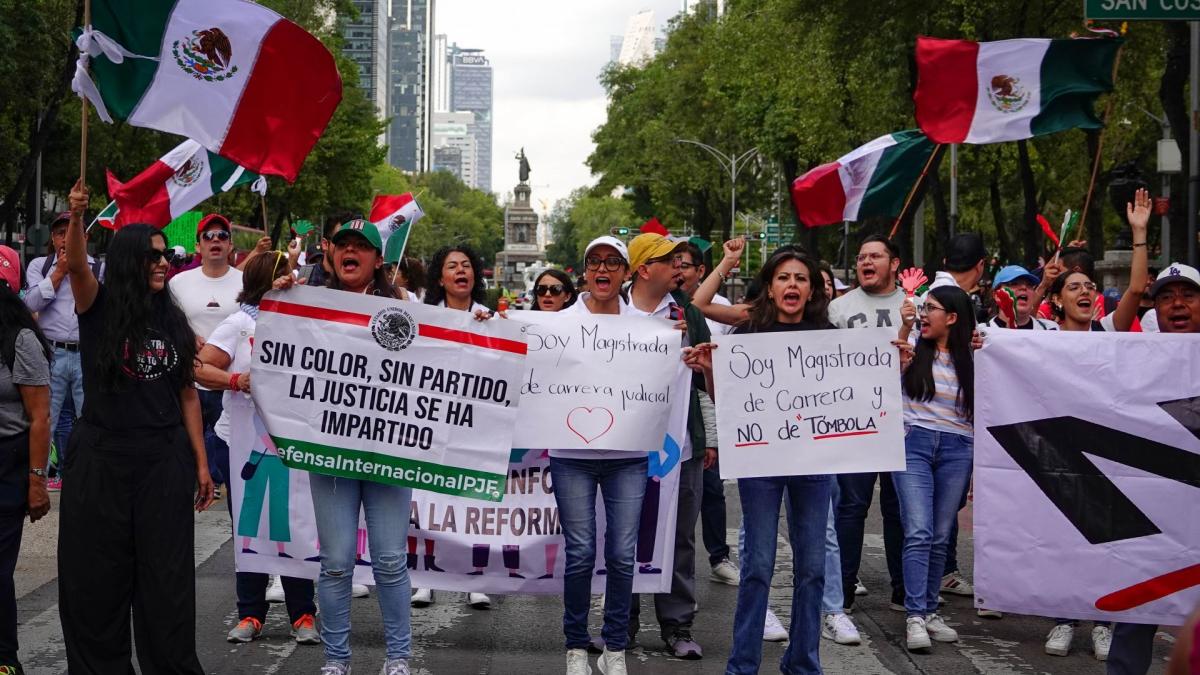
(1142,10)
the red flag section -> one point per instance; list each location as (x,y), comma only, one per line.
(143,199)
(818,196)
(947,88)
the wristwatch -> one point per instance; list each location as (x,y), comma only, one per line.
(41,473)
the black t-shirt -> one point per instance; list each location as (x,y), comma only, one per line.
(149,395)
(777,327)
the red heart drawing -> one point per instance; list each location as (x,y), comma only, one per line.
(590,423)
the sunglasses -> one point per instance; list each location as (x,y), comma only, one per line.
(611,264)
(215,235)
(153,255)
(552,289)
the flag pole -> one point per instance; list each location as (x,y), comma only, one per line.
(1112,98)
(937,149)
(83,120)
(263,200)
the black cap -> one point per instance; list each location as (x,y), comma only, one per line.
(965,251)
(313,253)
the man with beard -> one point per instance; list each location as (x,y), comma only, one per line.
(1023,286)
(875,303)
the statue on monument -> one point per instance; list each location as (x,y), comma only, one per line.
(524,169)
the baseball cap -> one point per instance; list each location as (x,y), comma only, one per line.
(965,251)
(211,220)
(10,268)
(1175,273)
(64,217)
(607,240)
(365,228)
(649,246)
(1011,273)
(313,254)
(839,285)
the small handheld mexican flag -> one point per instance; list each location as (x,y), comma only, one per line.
(176,183)
(991,92)
(394,216)
(107,216)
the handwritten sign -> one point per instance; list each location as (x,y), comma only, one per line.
(395,392)
(808,402)
(602,382)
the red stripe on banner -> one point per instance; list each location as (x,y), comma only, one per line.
(473,339)
(1150,590)
(287,103)
(947,88)
(746,445)
(819,197)
(310,312)
(845,435)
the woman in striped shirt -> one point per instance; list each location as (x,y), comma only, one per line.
(938,384)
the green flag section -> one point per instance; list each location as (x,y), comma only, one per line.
(394,217)
(991,92)
(107,216)
(182,230)
(302,227)
(872,180)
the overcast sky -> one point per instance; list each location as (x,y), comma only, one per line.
(546,57)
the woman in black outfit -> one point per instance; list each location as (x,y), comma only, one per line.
(126,530)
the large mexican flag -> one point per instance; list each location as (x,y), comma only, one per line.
(238,78)
(990,92)
(871,180)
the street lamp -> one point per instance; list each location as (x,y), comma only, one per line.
(731,164)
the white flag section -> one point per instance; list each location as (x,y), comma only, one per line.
(396,392)
(808,402)
(603,382)
(1087,475)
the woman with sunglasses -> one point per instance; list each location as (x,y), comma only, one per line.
(137,454)
(553,291)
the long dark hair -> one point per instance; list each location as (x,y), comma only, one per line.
(562,278)
(763,312)
(918,379)
(15,317)
(259,274)
(131,309)
(434,292)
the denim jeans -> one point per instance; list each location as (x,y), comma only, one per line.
(857,490)
(952,545)
(1132,649)
(713,519)
(336,503)
(622,483)
(832,601)
(939,468)
(806,496)
(216,449)
(66,378)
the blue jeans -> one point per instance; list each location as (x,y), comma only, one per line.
(831,599)
(939,468)
(66,377)
(807,496)
(622,483)
(211,405)
(857,490)
(336,503)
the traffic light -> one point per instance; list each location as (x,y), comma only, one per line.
(759,235)
(619,231)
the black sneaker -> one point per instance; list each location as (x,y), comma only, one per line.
(683,646)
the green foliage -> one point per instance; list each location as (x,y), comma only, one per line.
(581,218)
(454,213)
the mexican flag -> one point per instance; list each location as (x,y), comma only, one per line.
(990,92)
(177,182)
(107,216)
(394,216)
(243,81)
(872,180)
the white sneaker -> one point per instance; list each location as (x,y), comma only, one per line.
(577,662)
(915,635)
(422,597)
(773,630)
(479,601)
(612,663)
(275,590)
(956,584)
(859,589)
(840,628)
(1101,641)
(937,629)
(1058,643)
(359,591)
(725,572)
(989,613)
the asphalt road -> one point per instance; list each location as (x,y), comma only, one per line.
(522,634)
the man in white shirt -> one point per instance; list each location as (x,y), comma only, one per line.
(208,294)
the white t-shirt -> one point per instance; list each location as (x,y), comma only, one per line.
(1037,324)
(716,327)
(859,309)
(233,336)
(1149,322)
(475,307)
(206,300)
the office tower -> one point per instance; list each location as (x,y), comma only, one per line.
(366,42)
(410,104)
(471,91)
(455,131)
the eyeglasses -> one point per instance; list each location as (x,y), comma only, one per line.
(214,235)
(687,266)
(549,289)
(611,264)
(1185,295)
(873,257)
(153,255)
(675,260)
(926,308)
(1076,286)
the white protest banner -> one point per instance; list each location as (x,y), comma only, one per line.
(596,381)
(808,402)
(1087,471)
(396,392)
(454,543)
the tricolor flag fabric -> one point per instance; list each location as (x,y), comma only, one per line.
(394,216)
(872,180)
(107,216)
(240,79)
(176,183)
(990,92)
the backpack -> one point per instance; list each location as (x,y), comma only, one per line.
(97,266)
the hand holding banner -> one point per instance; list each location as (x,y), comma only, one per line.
(808,402)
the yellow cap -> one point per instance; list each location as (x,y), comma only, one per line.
(649,246)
